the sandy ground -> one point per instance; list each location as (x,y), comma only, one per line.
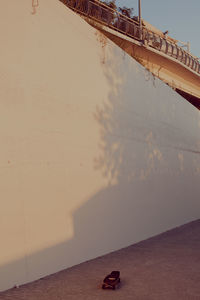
(163,267)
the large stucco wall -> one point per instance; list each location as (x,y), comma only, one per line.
(95,153)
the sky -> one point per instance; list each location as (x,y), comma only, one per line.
(180,17)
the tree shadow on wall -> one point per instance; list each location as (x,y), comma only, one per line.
(149,156)
(141,124)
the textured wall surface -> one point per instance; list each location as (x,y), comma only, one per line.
(96,154)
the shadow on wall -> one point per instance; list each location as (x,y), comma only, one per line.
(152,162)
(142,123)
(149,156)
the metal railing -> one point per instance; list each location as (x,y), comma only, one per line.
(102,13)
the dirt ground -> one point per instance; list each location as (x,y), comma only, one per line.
(165,267)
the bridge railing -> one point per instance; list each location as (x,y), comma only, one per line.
(102,13)
(171,49)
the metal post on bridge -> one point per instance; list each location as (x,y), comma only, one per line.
(140,18)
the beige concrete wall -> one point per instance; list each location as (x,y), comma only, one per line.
(95,153)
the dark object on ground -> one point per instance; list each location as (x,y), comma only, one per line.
(111,280)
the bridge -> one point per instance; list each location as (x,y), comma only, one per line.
(158,53)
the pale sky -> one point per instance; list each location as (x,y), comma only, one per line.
(180,17)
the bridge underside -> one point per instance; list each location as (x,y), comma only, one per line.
(176,75)
(192,99)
